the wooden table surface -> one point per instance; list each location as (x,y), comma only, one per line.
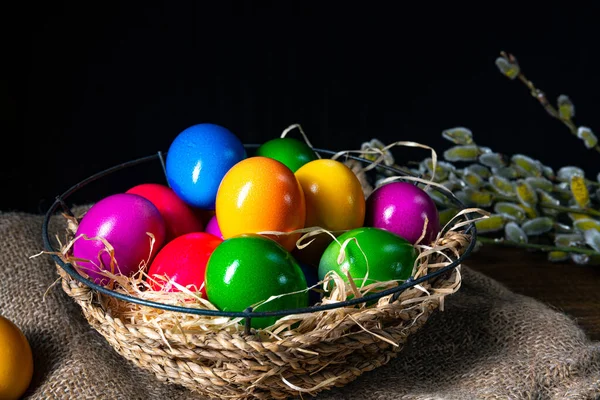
(571,288)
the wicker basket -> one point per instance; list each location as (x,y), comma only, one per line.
(239,366)
(329,348)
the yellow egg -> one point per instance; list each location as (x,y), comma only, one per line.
(16,361)
(334,196)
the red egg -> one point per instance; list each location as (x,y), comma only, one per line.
(179,217)
(183,260)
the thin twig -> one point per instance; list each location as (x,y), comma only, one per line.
(541,97)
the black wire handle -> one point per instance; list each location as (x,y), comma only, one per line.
(248,313)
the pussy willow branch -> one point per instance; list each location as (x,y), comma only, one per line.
(542,247)
(541,97)
(587,211)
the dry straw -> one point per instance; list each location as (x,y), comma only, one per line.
(300,354)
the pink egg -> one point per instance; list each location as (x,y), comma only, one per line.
(212,227)
(123,220)
(402,208)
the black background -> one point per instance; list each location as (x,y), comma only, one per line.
(90,85)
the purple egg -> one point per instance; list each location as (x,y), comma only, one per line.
(401,208)
(212,227)
(123,220)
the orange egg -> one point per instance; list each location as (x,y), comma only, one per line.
(261,194)
(334,196)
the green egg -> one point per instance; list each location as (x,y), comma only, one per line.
(385,255)
(291,152)
(248,269)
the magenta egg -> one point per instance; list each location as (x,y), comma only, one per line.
(123,220)
(402,208)
(212,227)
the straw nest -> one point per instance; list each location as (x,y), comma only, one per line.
(300,354)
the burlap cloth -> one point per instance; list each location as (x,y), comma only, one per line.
(488,343)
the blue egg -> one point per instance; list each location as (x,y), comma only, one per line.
(197,161)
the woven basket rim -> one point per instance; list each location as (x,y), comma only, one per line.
(87,297)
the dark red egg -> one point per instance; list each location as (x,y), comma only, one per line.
(179,217)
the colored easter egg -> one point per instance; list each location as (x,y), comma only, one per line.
(213,227)
(260,194)
(402,208)
(291,152)
(248,269)
(179,217)
(124,221)
(16,359)
(183,260)
(198,159)
(334,196)
(383,254)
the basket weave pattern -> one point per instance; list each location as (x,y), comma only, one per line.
(223,364)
